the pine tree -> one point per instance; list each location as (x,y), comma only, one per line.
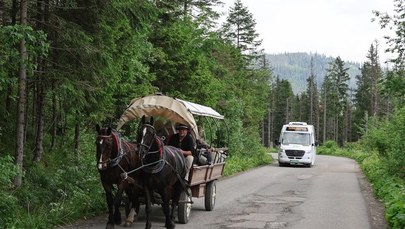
(313,97)
(203,12)
(394,83)
(336,96)
(239,29)
(284,97)
(367,97)
(396,22)
(335,89)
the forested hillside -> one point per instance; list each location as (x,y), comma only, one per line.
(296,67)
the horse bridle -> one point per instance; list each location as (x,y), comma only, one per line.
(110,162)
(144,148)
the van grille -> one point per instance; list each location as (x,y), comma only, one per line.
(295,154)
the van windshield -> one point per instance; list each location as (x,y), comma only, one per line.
(296,138)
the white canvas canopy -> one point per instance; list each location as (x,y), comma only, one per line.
(201,110)
(175,110)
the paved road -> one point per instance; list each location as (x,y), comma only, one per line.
(327,195)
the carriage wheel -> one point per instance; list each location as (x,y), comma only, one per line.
(184,207)
(210,195)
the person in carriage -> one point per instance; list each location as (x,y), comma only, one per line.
(184,141)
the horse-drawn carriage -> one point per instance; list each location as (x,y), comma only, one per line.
(167,112)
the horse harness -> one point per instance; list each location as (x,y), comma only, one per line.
(157,166)
(121,154)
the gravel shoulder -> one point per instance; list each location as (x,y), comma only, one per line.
(376,209)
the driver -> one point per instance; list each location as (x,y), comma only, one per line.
(183,140)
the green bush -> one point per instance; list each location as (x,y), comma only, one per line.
(240,163)
(388,138)
(65,188)
(328,148)
(8,203)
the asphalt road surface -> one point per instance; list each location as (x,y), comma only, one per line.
(333,194)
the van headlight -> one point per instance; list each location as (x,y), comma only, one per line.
(281,152)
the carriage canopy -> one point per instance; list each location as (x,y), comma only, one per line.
(175,110)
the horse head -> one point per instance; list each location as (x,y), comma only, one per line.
(151,146)
(107,147)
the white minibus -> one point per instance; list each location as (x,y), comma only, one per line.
(297,144)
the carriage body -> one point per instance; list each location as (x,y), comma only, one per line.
(201,175)
(202,178)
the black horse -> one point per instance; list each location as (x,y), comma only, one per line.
(163,170)
(115,158)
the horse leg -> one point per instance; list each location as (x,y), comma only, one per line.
(135,201)
(166,194)
(178,188)
(133,206)
(131,217)
(117,204)
(109,199)
(148,207)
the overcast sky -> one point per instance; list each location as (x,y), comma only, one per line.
(331,27)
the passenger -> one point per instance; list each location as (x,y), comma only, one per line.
(183,140)
(206,151)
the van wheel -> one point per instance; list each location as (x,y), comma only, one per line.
(308,165)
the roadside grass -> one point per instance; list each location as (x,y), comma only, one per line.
(240,163)
(388,188)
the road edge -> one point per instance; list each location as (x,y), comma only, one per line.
(375,207)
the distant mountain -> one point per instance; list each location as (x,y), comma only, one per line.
(296,67)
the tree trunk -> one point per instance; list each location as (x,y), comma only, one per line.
(54,118)
(324,116)
(41,9)
(40,123)
(22,86)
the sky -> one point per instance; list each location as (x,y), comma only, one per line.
(330,27)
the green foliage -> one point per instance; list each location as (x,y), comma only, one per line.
(103,55)
(64,189)
(388,188)
(394,85)
(240,163)
(10,36)
(182,68)
(388,137)
(8,203)
(281,106)
(394,22)
(328,148)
